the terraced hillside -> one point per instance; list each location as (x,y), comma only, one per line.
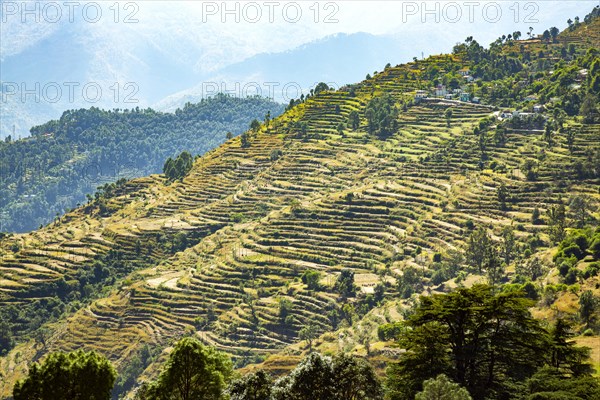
(221,253)
(66,159)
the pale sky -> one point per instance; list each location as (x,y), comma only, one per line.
(209,33)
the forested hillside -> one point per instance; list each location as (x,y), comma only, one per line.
(438,218)
(66,159)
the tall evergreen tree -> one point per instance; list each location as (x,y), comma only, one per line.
(485,342)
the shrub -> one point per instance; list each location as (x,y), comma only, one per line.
(571,276)
(591,270)
(573,250)
(285,309)
(566,264)
(439,277)
(237,217)
(275,154)
(311,279)
(581,241)
(595,247)
(530,291)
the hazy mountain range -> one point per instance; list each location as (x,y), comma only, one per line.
(167,83)
(171,55)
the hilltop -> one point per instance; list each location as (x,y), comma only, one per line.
(387,185)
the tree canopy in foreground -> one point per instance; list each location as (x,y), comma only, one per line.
(68,376)
(487,343)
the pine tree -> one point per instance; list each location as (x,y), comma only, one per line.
(557,222)
(354,120)
(483,341)
(587,306)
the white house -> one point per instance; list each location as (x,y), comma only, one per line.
(521,114)
(440,90)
